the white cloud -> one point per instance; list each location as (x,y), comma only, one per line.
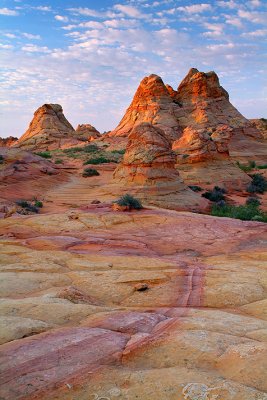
(130,11)
(61,18)
(214,29)
(31,36)
(9,35)
(195,8)
(235,21)
(228,4)
(5,46)
(253,16)
(257,33)
(8,11)
(91,24)
(88,12)
(32,48)
(43,8)
(255,3)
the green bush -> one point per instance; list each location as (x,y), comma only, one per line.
(90,148)
(258,184)
(44,154)
(264,166)
(38,204)
(246,168)
(73,150)
(245,213)
(121,152)
(28,207)
(90,172)
(195,188)
(98,160)
(215,195)
(59,161)
(129,201)
(253,201)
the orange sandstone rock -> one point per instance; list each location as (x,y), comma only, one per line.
(152,103)
(148,167)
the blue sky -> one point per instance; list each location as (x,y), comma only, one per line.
(89,56)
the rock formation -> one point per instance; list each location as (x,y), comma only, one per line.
(152,103)
(200,104)
(8,142)
(261,125)
(50,130)
(87,132)
(198,145)
(148,168)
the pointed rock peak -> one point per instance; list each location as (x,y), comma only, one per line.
(87,132)
(151,86)
(47,128)
(200,85)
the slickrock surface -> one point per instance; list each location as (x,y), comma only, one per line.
(87,132)
(152,103)
(24,175)
(50,130)
(75,326)
(7,142)
(148,168)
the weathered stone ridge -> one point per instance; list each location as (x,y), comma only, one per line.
(152,103)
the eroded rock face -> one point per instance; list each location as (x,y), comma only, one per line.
(152,103)
(197,145)
(149,165)
(50,130)
(206,105)
(7,142)
(200,103)
(148,158)
(87,132)
(261,125)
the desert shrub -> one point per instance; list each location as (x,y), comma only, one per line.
(129,201)
(44,154)
(90,172)
(195,188)
(253,201)
(90,148)
(73,150)
(38,204)
(264,166)
(245,213)
(1,159)
(215,195)
(97,160)
(258,184)
(246,168)
(27,207)
(59,161)
(121,152)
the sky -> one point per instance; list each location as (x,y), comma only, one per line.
(89,56)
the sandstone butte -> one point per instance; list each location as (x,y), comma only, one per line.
(199,103)
(148,170)
(138,305)
(50,130)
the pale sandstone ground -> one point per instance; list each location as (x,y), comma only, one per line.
(74,325)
